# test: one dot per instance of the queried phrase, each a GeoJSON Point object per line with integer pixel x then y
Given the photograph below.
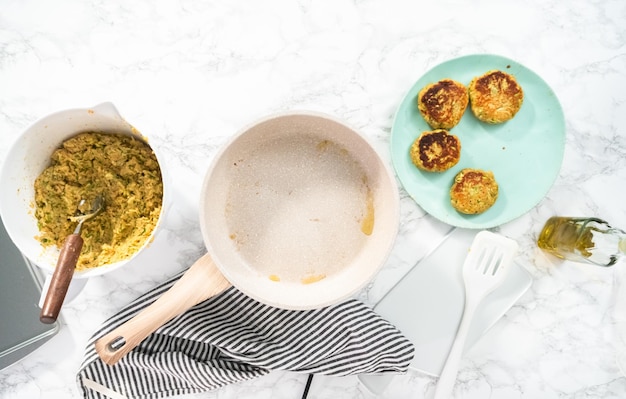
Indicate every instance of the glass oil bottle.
{"type": "Point", "coordinates": [580, 239]}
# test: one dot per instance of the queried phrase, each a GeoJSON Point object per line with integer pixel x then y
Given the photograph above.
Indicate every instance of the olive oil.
{"type": "Point", "coordinates": [588, 240]}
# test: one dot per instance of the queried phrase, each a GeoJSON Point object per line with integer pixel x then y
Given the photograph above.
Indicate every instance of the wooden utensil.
{"type": "Point", "coordinates": [66, 264]}
{"type": "Point", "coordinates": [200, 282]}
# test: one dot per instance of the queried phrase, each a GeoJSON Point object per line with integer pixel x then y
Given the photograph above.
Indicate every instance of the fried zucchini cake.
{"type": "Point", "coordinates": [443, 103]}
{"type": "Point", "coordinates": [495, 96]}
{"type": "Point", "coordinates": [436, 151]}
{"type": "Point", "coordinates": [473, 191]}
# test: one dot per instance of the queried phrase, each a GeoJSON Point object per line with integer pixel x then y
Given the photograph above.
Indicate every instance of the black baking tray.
{"type": "Point", "coordinates": [21, 332]}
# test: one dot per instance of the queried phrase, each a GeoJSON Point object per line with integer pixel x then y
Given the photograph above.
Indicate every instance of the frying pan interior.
{"type": "Point", "coordinates": [298, 211]}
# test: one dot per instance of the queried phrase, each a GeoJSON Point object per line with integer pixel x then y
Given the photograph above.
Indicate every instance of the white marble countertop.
{"type": "Point", "coordinates": [189, 74]}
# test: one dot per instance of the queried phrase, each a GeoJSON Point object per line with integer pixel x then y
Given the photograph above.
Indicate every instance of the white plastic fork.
{"type": "Point", "coordinates": [485, 267]}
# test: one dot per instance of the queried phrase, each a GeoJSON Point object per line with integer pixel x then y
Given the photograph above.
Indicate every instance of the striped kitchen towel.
{"type": "Point", "coordinates": [231, 338]}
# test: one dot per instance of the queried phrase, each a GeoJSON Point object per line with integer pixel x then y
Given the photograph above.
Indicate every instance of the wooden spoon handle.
{"type": "Point", "coordinates": [202, 281]}
{"type": "Point", "coordinates": [61, 278]}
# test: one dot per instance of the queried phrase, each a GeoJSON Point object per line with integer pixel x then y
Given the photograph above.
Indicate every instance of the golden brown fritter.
{"type": "Point", "coordinates": [473, 191]}
{"type": "Point", "coordinates": [443, 103]}
{"type": "Point", "coordinates": [436, 151]}
{"type": "Point", "coordinates": [495, 96]}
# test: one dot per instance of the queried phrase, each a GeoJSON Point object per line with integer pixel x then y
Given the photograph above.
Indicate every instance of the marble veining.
{"type": "Point", "coordinates": [189, 74]}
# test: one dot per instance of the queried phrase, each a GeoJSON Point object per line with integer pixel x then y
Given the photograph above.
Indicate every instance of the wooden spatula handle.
{"type": "Point", "coordinates": [61, 278]}
{"type": "Point", "coordinates": [202, 281]}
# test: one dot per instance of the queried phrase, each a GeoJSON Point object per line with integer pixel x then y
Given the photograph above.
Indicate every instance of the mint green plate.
{"type": "Point", "coordinates": [524, 153]}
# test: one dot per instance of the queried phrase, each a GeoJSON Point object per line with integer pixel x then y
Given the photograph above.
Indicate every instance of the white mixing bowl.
{"type": "Point", "coordinates": [30, 155]}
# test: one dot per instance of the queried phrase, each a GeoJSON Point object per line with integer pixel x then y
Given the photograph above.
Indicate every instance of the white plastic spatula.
{"type": "Point", "coordinates": [485, 267]}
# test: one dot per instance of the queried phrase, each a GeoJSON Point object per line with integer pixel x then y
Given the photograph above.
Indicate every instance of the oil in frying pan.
{"type": "Point", "coordinates": [300, 208]}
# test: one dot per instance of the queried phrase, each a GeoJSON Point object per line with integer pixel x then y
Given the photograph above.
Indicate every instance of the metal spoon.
{"type": "Point", "coordinates": [66, 263]}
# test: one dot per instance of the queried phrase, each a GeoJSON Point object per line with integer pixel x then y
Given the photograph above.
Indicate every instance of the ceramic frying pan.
{"type": "Point", "coordinates": [297, 211]}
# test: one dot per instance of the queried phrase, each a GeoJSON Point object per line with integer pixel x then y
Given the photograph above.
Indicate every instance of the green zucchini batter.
{"type": "Point", "coordinates": [121, 168]}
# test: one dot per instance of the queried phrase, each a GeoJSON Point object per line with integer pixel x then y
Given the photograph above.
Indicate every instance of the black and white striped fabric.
{"type": "Point", "coordinates": [231, 338]}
